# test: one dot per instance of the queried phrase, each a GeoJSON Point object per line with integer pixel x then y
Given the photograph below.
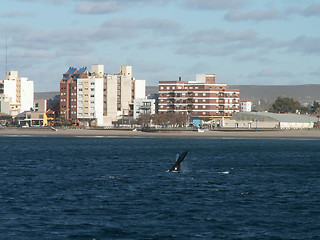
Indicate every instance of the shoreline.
{"type": "Point", "coordinates": [216, 134]}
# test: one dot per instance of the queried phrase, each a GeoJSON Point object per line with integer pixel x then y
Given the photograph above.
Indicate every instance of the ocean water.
{"type": "Point", "coordinates": [112, 188]}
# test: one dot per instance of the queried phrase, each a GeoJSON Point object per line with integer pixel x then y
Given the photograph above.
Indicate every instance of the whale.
{"type": "Point", "coordinates": [176, 166]}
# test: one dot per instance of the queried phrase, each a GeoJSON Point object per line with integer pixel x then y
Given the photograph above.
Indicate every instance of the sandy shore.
{"type": "Point", "coordinates": [304, 134]}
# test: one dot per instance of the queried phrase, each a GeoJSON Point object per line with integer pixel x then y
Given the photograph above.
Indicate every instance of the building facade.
{"type": "Point", "coordinates": [19, 92]}
{"type": "Point", "coordinates": [245, 105]}
{"type": "Point", "coordinates": [203, 99]}
{"type": "Point", "coordinates": [143, 106]}
{"type": "Point", "coordinates": [97, 97]}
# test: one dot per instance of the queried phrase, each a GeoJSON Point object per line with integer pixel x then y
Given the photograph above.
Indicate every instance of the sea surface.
{"type": "Point", "coordinates": [113, 188]}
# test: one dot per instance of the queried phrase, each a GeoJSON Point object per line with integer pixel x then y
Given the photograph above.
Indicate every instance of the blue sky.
{"type": "Point", "coordinates": [256, 42]}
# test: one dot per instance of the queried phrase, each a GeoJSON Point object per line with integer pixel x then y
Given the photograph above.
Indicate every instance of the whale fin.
{"type": "Point", "coordinates": [176, 166]}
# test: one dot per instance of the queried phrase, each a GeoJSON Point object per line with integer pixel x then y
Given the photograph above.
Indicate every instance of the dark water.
{"type": "Point", "coordinates": [100, 188]}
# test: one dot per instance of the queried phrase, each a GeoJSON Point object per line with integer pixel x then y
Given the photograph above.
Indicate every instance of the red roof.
{"type": "Point", "coordinates": [245, 100]}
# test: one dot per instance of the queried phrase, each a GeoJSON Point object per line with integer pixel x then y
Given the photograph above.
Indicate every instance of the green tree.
{"type": "Point", "coordinates": [315, 108]}
{"type": "Point", "coordinates": [285, 105]}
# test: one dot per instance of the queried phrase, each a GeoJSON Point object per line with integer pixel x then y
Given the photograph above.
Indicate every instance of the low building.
{"type": "Point", "coordinates": [143, 106]}
{"type": "Point", "coordinates": [245, 105]}
{"type": "Point", "coordinates": [266, 120]}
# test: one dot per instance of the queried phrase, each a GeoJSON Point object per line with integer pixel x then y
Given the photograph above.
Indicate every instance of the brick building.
{"type": "Point", "coordinates": [204, 98]}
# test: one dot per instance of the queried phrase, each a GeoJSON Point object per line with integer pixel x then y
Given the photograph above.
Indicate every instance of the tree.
{"type": "Point", "coordinates": [285, 105]}
{"type": "Point", "coordinates": [315, 108]}
{"type": "Point", "coordinates": [144, 119]}
{"type": "Point", "coordinates": [167, 119]}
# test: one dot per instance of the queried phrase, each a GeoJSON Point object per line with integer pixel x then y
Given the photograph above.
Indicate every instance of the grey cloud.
{"type": "Point", "coordinates": [16, 14]}
{"type": "Point", "coordinates": [214, 4]}
{"type": "Point", "coordinates": [128, 27]}
{"type": "Point", "coordinates": [222, 42]}
{"type": "Point", "coordinates": [98, 7]}
{"type": "Point", "coordinates": [219, 35]}
{"type": "Point", "coordinates": [269, 73]}
{"type": "Point", "coordinates": [305, 45]}
{"type": "Point", "coordinates": [256, 15]}
{"type": "Point", "coordinates": [312, 10]}
{"type": "Point", "coordinates": [112, 6]}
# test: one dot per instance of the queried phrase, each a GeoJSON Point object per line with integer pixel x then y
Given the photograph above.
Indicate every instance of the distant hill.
{"type": "Point", "coordinates": [46, 95]}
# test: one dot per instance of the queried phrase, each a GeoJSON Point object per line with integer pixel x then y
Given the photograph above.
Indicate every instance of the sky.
{"type": "Point", "coordinates": [243, 42]}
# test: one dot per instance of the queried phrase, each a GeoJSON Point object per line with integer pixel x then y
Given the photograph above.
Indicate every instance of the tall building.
{"type": "Point", "coordinates": [97, 97]}
{"type": "Point", "coordinates": [19, 92]}
{"type": "Point", "coordinates": [202, 99]}
{"type": "Point", "coordinates": [89, 105]}
{"type": "Point", "coordinates": [68, 92]}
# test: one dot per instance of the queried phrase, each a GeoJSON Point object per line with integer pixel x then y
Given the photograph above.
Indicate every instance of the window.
{"type": "Point", "coordinates": [161, 87]}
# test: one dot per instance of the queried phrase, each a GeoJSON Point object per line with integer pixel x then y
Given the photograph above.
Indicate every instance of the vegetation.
{"type": "Point", "coordinates": [315, 108]}
{"type": "Point", "coordinates": [165, 119]}
{"type": "Point", "coordinates": [285, 105]}
{"type": "Point", "coordinates": [288, 105]}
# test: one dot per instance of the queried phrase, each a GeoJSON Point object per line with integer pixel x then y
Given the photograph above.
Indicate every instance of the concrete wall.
{"type": "Point", "coordinates": [227, 123]}
{"type": "Point", "coordinates": [296, 125]}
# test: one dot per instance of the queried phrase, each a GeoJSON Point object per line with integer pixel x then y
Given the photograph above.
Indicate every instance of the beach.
{"type": "Point", "coordinates": [302, 134]}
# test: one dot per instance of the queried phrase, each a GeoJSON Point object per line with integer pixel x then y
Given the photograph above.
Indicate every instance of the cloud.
{"type": "Point", "coordinates": [218, 42]}
{"type": "Point", "coordinates": [123, 28]}
{"type": "Point", "coordinates": [98, 7]}
{"type": "Point", "coordinates": [305, 45]}
{"type": "Point", "coordinates": [214, 4]}
{"type": "Point", "coordinates": [112, 6]}
{"type": "Point", "coordinates": [269, 73]}
{"type": "Point", "coordinates": [16, 14]}
{"type": "Point", "coordinates": [256, 15]}
{"type": "Point", "coordinates": [312, 10]}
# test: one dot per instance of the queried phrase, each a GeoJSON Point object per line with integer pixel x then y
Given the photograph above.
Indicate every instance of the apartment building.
{"type": "Point", "coordinates": [89, 103]}
{"type": "Point", "coordinates": [98, 97]}
{"type": "Point", "coordinates": [68, 92]}
{"type": "Point", "coordinates": [143, 106]}
{"type": "Point", "coordinates": [18, 91]}
{"type": "Point", "coordinates": [203, 99]}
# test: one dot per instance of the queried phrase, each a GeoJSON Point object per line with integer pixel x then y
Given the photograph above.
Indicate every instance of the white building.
{"type": "Point", "coordinates": [90, 100]}
{"type": "Point", "coordinates": [143, 106]}
{"type": "Point", "coordinates": [266, 120]}
{"type": "Point", "coordinates": [245, 105]}
{"type": "Point", "coordinates": [19, 91]}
